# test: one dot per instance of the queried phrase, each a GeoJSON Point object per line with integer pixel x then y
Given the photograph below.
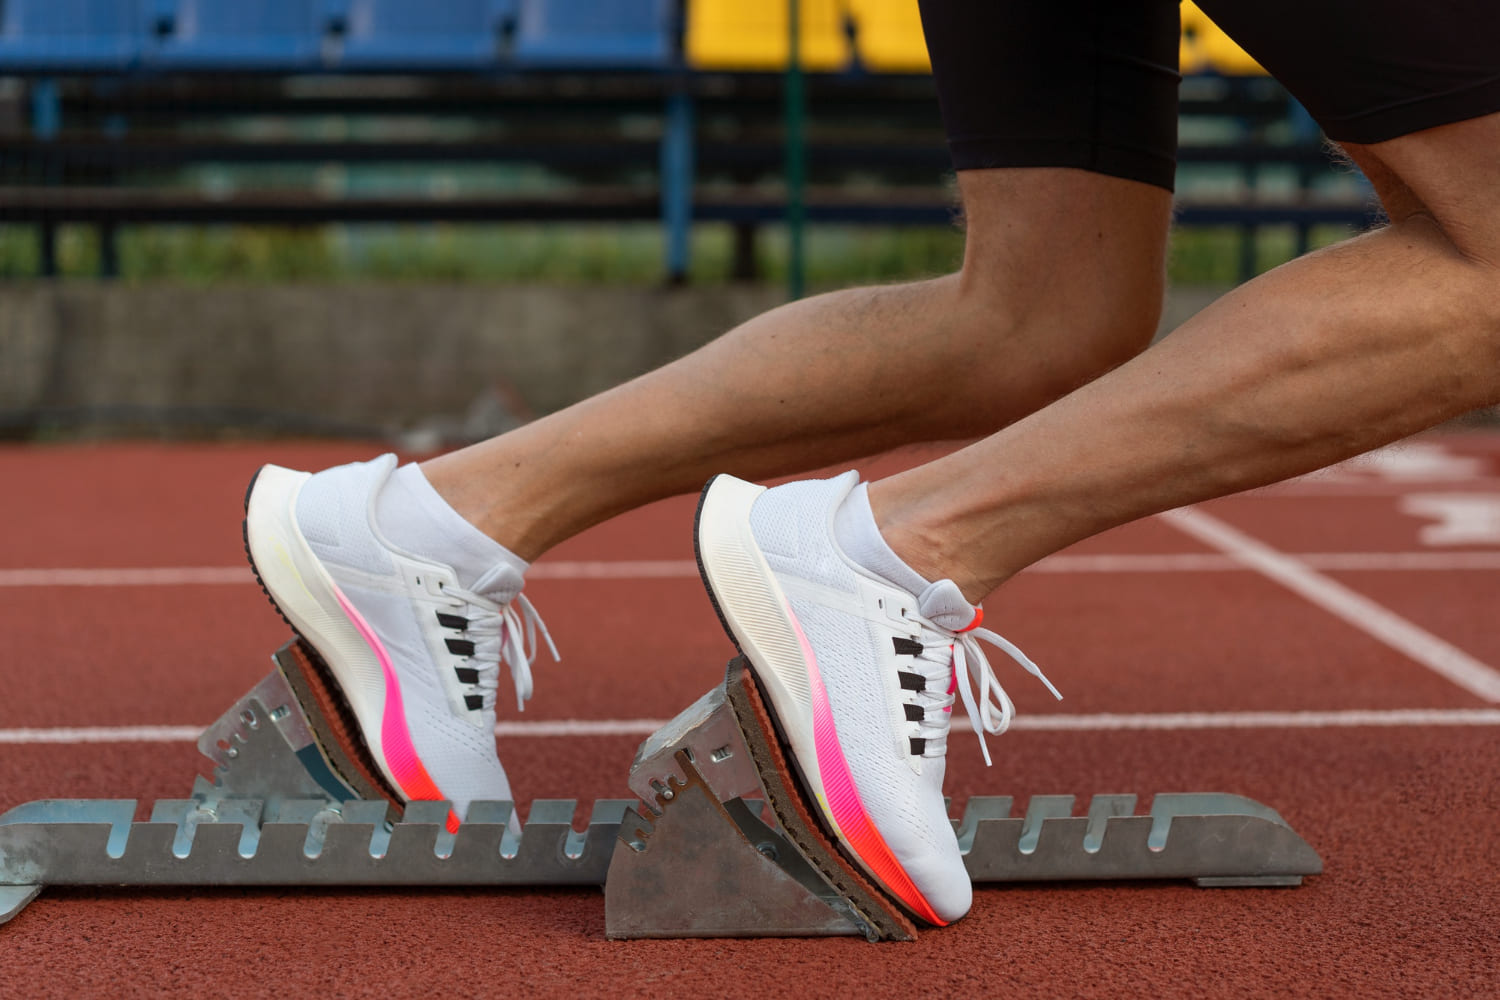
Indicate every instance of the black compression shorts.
{"type": "Point", "coordinates": [1093, 83]}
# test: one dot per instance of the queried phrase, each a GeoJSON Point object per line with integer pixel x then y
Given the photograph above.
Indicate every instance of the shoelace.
{"type": "Point", "coordinates": [500, 633]}
{"type": "Point", "coordinates": [991, 712]}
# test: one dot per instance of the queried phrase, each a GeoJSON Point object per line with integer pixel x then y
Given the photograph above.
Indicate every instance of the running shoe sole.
{"type": "Point", "coordinates": [333, 726]}
{"type": "Point", "coordinates": [759, 620]}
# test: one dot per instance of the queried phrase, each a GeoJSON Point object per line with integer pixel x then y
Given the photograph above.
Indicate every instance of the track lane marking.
{"type": "Point", "coordinates": [1105, 722]}
{"type": "Point", "coordinates": [1369, 617]}
{"type": "Point", "coordinates": [672, 569]}
{"type": "Point", "coordinates": [627, 569]}
{"type": "Point", "coordinates": [155, 576]}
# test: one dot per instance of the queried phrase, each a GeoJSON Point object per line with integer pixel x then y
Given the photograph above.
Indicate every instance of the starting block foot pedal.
{"type": "Point", "coordinates": [706, 859]}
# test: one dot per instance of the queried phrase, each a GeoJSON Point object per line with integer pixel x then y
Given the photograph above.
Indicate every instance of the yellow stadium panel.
{"type": "Point", "coordinates": [888, 34]}
{"type": "Point", "coordinates": [1190, 57]}
{"type": "Point", "coordinates": [752, 35]}
{"type": "Point", "coordinates": [1206, 47]}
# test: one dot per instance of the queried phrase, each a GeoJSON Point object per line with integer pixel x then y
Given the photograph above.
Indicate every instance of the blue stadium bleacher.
{"type": "Point", "coordinates": [71, 36]}
{"type": "Point", "coordinates": [267, 36]}
{"type": "Point", "coordinates": [422, 36]}
{"type": "Point", "coordinates": [595, 34]}
{"type": "Point", "coordinates": [291, 36]}
{"type": "Point", "coordinates": [645, 56]}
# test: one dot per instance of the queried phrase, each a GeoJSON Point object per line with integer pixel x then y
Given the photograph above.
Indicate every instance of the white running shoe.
{"type": "Point", "coordinates": [860, 674]}
{"type": "Point", "coordinates": [416, 656]}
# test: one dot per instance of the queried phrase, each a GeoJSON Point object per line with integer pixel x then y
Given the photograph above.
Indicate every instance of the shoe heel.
{"type": "Point", "coordinates": [308, 600]}
{"type": "Point", "coordinates": [751, 605]}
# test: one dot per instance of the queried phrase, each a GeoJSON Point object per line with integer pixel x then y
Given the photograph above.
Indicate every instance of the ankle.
{"type": "Point", "coordinates": [498, 506]}
{"type": "Point", "coordinates": [923, 545]}
{"type": "Point", "coordinates": [412, 515]}
{"type": "Point", "coordinates": [859, 537]}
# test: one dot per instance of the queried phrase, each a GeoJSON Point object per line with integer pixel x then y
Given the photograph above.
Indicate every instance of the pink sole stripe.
{"type": "Point", "coordinates": [842, 797]}
{"type": "Point", "coordinates": [395, 739]}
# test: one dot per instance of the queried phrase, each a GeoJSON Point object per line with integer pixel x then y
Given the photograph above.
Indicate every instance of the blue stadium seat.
{"type": "Point", "coordinates": [244, 35]}
{"type": "Point", "coordinates": [595, 34]}
{"type": "Point", "coordinates": [424, 34]}
{"type": "Point", "coordinates": [70, 36]}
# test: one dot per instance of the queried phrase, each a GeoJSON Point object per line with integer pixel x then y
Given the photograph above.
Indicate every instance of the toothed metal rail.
{"type": "Point", "coordinates": [702, 854]}
{"type": "Point", "coordinates": [276, 813]}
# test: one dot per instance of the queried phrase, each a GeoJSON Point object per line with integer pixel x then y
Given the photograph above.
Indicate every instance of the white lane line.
{"type": "Point", "coordinates": [1107, 722]}
{"type": "Point", "coordinates": [1400, 560]}
{"type": "Point", "coordinates": [171, 576]}
{"type": "Point", "coordinates": [1124, 562]}
{"type": "Point", "coordinates": [1342, 718]}
{"type": "Point", "coordinates": [104, 734]}
{"type": "Point", "coordinates": [160, 576]}
{"type": "Point", "coordinates": [634, 569]}
{"type": "Point", "coordinates": [666, 569]}
{"type": "Point", "coordinates": [1375, 620]}
{"type": "Point", "coordinates": [580, 727]}
{"type": "Point", "coordinates": [1175, 562]}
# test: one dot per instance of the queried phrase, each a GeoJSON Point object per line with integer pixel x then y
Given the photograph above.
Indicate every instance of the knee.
{"type": "Point", "coordinates": [1076, 324]}
{"type": "Point", "coordinates": [1447, 174]}
{"type": "Point", "coordinates": [1011, 356]}
{"type": "Point", "coordinates": [1079, 253]}
{"type": "Point", "coordinates": [1464, 255]}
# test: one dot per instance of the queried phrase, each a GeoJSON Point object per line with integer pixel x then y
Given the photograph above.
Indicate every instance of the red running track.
{"type": "Point", "coordinates": [1147, 626]}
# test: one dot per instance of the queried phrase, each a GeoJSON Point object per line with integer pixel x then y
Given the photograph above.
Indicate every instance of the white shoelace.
{"type": "Point", "coordinates": [500, 633]}
{"type": "Point", "coordinates": [991, 712]}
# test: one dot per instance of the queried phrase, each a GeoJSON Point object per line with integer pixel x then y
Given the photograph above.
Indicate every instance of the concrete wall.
{"type": "Point", "coordinates": [423, 361]}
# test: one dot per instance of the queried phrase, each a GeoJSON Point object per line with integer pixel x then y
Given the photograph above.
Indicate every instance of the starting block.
{"type": "Point", "coordinates": [718, 840]}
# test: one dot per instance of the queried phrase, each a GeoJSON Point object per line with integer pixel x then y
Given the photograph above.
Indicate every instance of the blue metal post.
{"type": "Point", "coordinates": [677, 181]}
{"type": "Point", "coordinates": [46, 109]}
{"type": "Point", "coordinates": [46, 122]}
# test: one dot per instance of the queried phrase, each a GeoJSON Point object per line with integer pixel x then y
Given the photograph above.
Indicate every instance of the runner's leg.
{"type": "Point", "coordinates": [1330, 355]}
{"type": "Point", "coordinates": [1061, 280]}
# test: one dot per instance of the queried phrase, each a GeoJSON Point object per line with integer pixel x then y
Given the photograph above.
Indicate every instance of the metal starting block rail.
{"type": "Point", "coordinates": [720, 844]}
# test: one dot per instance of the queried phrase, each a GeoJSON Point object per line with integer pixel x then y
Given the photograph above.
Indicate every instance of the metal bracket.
{"type": "Point", "coordinates": [262, 748]}
{"type": "Point", "coordinates": [747, 879]}
{"type": "Point", "coordinates": [710, 850]}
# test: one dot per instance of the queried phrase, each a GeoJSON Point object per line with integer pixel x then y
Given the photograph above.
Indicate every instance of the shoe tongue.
{"type": "Point", "coordinates": [500, 583]}
{"type": "Point", "coordinates": [943, 604]}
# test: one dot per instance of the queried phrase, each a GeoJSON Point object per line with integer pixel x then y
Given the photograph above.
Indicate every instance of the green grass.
{"type": "Point", "coordinates": [561, 254]}
{"type": "Point", "coordinates": [1211, 256]}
